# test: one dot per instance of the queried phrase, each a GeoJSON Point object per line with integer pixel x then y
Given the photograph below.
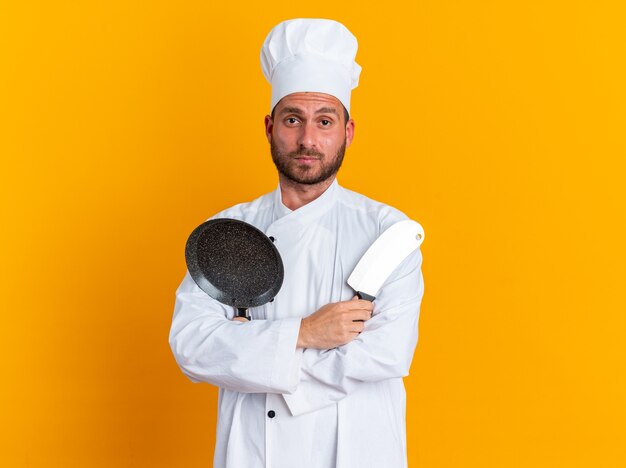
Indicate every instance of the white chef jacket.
{"type": "Point", "coordinates": [282, 407]}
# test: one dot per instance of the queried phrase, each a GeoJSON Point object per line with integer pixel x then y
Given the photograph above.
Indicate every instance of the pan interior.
{"type": "Point", "coordinates": [240, 262]}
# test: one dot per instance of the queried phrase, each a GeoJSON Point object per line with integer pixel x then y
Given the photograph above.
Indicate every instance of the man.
{"type": "Point", "coordinates": [314, 380]}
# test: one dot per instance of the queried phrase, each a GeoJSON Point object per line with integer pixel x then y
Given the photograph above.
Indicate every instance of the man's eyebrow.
{"type": "Point", "coordinates": [291, 110]}
{"type": "Point", "coordinates": [327, 110]}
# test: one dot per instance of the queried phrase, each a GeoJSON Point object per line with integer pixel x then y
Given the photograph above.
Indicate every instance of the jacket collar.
{"type": "Point", "coordinates": [308, 212]}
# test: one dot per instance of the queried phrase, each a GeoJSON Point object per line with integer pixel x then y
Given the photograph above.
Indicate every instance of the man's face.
{"type": "Point", "coordinates": [308, 136]}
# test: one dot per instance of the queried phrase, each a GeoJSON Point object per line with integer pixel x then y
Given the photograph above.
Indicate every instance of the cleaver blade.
{"type": "Point", "coordinates": [384, 256]}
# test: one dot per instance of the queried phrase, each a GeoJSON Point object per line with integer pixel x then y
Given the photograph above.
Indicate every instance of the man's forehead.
{"type": "Point", "coordinates": [312, 101]}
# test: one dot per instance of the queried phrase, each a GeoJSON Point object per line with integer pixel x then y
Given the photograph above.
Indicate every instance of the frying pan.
{"type": "Point", "coordinates": [235, 263]}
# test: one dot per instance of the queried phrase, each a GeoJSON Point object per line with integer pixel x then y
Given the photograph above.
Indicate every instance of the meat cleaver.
{"type": "Point", "coordinates": [384, 256]}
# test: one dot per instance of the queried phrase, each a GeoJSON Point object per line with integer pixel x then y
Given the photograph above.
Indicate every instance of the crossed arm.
{"type": "Point", "coordinates": [314, 361]}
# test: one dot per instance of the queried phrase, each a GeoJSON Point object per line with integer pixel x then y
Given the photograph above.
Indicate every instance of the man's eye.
{"type": "Point", "coordinates": [292, 120]}
{"type": "Point", "coordinates": [325, 122]}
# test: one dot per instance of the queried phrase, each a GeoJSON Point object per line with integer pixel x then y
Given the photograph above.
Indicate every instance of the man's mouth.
{"type": "Point", "coordinates": [303, 155]}
{"type": "Point", "coordinates": [306, 159]}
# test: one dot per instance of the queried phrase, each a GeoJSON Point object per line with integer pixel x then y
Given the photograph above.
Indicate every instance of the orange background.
{"type": "Point", "coordinates": [498, 125]}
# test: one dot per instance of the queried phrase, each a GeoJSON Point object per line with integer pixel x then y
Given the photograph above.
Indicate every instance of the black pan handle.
{"type": "Point", "coordinates": [243, 312]}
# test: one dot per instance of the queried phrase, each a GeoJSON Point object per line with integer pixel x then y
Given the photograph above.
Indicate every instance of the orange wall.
{"type": "Point", "coordinates": [498, 125]}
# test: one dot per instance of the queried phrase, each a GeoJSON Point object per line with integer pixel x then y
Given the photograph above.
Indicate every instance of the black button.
{"type": "Point", "coordinates": [272, 238]}
{"type": "Point", "coordinates": [271, 413]}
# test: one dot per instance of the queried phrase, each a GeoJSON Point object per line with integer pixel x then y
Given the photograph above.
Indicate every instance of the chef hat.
{"type": "Point", "coordinates": [315, 55]}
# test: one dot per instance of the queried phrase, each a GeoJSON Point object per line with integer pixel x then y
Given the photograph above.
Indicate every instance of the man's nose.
{"type": "Point", "coordinates": [307, 136]}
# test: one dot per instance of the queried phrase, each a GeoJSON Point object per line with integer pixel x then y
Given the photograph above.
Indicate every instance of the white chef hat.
{"type": "Point", "coordinates": [314, 55]}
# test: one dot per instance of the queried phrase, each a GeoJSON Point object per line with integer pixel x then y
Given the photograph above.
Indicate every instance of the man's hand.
{"type": "Point", "coordinates": [334, 324]}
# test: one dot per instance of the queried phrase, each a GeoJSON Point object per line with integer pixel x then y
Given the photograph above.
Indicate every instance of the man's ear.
{"type": "Point", "coordinates": [269, 126]}
{"type": "Point", "coordinates": [349, 132]}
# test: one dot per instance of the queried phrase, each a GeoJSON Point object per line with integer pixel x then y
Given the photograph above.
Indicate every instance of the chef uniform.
{"type": "Point", "coordinates": [282, 407]}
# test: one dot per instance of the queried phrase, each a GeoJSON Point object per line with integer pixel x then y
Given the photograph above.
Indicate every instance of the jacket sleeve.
{"type": "Point", "coordinates": [384, 350]}
{"type": "Point", "coordinates": [209, 347]}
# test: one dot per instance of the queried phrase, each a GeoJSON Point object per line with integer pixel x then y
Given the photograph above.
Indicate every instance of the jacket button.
{"type": "Point", "coordinates": [271, 413]}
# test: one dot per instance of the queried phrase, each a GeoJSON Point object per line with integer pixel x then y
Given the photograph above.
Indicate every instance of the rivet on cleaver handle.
{"type": "Point", "coordinates": [384, 256]}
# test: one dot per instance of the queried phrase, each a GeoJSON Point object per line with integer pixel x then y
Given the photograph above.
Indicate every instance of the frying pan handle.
{"type": "Point", "coordinates": [243, 312]}
{"type": "Point", "coordinates": [365, 296]}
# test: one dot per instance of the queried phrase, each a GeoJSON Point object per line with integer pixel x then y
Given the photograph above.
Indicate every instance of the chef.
{"type": "Point", "coordinates": [314, 380]}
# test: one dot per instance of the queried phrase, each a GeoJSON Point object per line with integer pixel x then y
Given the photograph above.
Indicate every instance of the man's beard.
{"type": "Point", "coordinates": [286, 165]}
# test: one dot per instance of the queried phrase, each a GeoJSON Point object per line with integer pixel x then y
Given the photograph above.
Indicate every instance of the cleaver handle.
{"type": "Point", "coordinates": [365, 296]}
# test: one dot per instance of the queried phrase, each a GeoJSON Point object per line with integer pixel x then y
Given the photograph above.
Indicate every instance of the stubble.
{"type": "Point", "coordinates": [288, 165]}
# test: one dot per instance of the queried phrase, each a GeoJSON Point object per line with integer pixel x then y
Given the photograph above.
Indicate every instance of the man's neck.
{"type": "Point", "coordinates": [295, 195]}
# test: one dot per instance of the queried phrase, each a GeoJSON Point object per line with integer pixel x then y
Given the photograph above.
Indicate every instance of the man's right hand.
{"type": "Point", "coordinates": [334, 324]}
